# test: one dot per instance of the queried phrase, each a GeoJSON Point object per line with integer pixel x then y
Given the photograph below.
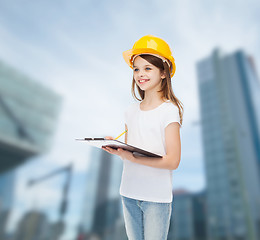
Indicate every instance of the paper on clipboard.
{"type": "Point", "coordinates": [115, 144]}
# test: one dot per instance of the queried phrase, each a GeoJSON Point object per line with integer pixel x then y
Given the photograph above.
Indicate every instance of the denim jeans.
{"type": "Point", "coordinates": [146, 220]}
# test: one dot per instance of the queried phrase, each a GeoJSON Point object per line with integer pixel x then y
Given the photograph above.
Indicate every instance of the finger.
{"type": "Point", "coordinates": [105, 149]}
{"type": "Point", "coordinates": [109, 138]}
{"type": "Point", "coordinates": [113, 151]}
{"type": "Point", "coordinates": [108, 149]}
{"type": "Point", "coordinates": [121, 150]}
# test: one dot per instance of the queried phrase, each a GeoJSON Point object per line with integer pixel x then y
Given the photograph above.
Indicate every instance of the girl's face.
{"type": "Point", "coordinates": [146, 75]}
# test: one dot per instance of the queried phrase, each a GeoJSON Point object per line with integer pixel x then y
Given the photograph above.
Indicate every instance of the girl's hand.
{"type": "Point", "coordinates": [109, 137]}
{"type": "Point", "coordinates": [123, 154]}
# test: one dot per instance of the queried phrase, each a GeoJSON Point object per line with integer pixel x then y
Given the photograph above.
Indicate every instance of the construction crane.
{"type": "Point", "coordinates": [59, 227]}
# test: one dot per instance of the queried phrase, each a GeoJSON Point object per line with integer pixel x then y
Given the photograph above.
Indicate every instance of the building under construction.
{"type": "Point", "coordinates": [28, 119]}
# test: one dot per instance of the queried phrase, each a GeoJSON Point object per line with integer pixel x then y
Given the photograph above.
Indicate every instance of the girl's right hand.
{"type": "Point", "coordinates": [109, 137]}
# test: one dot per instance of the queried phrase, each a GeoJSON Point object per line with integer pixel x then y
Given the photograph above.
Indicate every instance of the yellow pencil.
{"type": "Point", "coordinates": [120, 135]}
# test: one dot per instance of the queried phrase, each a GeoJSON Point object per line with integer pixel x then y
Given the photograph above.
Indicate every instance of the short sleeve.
{"type": "Point", "coordinates": [171, 115]}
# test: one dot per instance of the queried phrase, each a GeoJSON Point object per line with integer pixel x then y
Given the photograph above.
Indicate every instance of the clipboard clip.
{"type": "Point", "coordinates": [89, 139]}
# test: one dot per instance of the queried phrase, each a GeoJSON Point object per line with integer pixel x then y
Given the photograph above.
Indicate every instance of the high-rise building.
{"type": "Point", "coordinates": [28, 117]}
{"type": "Point", "coordinates": [7, 182]}
{"type": "Point", "coordinates": [199, 206]}
{"type": "Point", "coordinates": [102, 207]}
{"type": "Point", "coordinates": [181, 225]}
{"type": "Point", "coordinates": [33, 225]}
{"type": "Point", "coordinates": [229, 105]}
{"type": "Point", "coordinates": [188, 220]}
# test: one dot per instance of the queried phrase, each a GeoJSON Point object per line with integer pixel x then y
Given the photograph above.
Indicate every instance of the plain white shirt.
{"type": "Point", "coordinates": [146, 130]}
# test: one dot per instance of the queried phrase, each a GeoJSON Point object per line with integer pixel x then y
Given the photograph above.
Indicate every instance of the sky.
{"type": "Point", "coordinates": [75, 48]}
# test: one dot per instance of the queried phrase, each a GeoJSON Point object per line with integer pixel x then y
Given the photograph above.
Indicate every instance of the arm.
{"type": "Point", "coordinates": [126, 134]}
{"type": "Point", "coordinates": [173, 151]}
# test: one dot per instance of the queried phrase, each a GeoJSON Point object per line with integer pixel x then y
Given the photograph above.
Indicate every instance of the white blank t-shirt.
{"type": "Point", "coordinates": [146, 130]}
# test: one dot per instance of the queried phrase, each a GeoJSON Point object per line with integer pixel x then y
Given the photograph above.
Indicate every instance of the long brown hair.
{"type": "Point", "coordinates": [166, 86]}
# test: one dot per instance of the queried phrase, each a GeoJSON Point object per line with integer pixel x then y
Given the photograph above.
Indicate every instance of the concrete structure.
{"type": "Point", "coordinates": [188, 220]}
{"type": "Point", "coordinates": [102, 204]}
{"type": "Point", "coordinates": [229, 104]}
{"type": "Point", "coordinates": [28, 117]}
{"type": "Point", "coordinates": [33, 225]}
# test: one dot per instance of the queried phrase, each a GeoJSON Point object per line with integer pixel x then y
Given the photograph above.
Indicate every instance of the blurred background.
{"type": "Point", "coordinates": [62, 77]}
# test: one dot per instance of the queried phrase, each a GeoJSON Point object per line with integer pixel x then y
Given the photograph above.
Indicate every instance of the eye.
{"type": "Point", "coordinates": [148, 68]}
{"type": "Point", "coordinates": [136, 69]}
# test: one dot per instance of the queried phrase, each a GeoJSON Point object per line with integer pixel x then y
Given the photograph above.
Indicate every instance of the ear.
{"type": "Point", "coordinates": [163, 75]}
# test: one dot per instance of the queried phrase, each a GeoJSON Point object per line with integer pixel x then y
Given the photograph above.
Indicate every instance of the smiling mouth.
{"type": "Point", "coordinates": [143, 80]}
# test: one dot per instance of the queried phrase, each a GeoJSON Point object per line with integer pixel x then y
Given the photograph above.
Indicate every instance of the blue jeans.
{"type": "Point", "coordinates": [146, 220]}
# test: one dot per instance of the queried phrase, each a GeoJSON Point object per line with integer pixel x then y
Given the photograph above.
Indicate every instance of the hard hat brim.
{"type": "Point", "coordinates": [128, 56]}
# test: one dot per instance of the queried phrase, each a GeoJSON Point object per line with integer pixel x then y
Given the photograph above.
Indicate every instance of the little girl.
{"type": "Point", "coordinates": [152, 124]}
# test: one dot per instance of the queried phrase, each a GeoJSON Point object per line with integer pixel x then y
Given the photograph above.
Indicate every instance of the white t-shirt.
{"type": "Point", "coordinates": [146, 130]}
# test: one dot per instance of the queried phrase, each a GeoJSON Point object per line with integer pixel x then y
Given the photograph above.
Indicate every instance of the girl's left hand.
{"type": "Point", "coordinates": [120, 152]}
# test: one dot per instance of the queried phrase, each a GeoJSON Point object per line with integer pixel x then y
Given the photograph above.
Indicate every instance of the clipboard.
{"type": "Point", "coordinates": [115, 144]}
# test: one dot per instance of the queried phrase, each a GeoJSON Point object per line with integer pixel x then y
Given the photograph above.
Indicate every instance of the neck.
{"type": "Point", "coordinates": [152, 97]}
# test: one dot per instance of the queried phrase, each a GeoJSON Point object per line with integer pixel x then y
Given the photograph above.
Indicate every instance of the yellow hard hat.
{"type": "Point", "coordinates": [153, 45]}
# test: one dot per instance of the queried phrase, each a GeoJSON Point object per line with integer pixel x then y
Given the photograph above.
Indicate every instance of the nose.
{"type": "Point", "coordinates": [141, 73]}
